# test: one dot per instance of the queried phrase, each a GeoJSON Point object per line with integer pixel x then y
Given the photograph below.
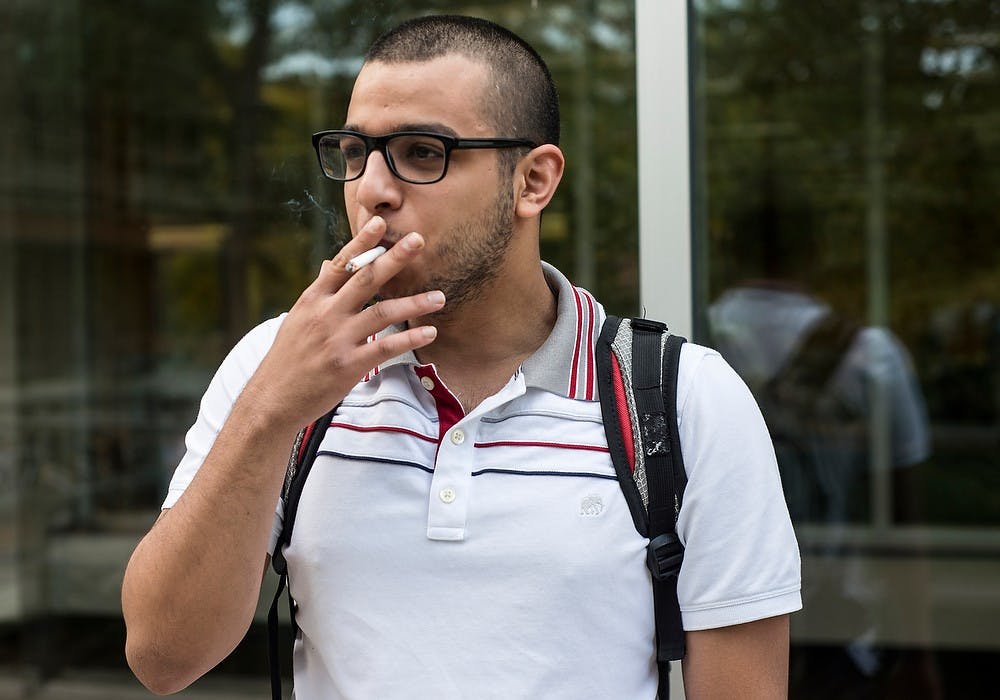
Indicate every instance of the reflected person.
{"type": "Point", "coordinates": [836, 395]}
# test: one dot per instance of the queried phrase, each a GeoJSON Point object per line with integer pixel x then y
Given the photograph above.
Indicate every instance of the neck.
{"type": "Point", "coordinates": [500, 328]}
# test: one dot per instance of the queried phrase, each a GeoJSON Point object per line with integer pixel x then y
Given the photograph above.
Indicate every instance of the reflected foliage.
{"type": "Point", "coordinates": [159, 197]}
{"type": "Point", "coordinates": [163, 172]}
{"type": "Point", "coordinates": [847, 156]}
{"type": "Point", "coordinates": [850, 150]}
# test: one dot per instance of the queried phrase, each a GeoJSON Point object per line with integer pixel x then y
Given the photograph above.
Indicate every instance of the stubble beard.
{"type": "Point", "coordinates": [469, 257]}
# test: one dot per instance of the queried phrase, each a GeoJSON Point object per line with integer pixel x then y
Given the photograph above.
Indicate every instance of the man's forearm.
{"type": "Point", "coordinates": [192, 584]}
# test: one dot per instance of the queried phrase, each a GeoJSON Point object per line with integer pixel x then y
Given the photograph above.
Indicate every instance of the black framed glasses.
{"type": "Point", "coordinates": [418, 157]}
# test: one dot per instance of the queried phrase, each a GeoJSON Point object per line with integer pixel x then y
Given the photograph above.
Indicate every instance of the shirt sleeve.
{"type": "Point", "coordinates": [741, 559]}
{"type": "Point", "coordinates": [216, 404]}
{"type": "Point", "coordinates": [878, 363]}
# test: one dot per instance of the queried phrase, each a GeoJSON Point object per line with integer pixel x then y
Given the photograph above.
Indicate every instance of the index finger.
{"type": "Point", "coordinates": [333, 273]}
{"type": "Point", "coordinates": [365, 283]}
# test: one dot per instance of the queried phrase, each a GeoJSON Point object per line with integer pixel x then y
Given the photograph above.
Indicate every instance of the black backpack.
{"type": "Point", "coordinates": [809, 423]}
{"type": "Point", "coordinates": [637, 362]}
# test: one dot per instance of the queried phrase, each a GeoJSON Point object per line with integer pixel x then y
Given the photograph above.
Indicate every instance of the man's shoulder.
{"type": "Point", "coordinates": [243, 359]}
{"type": "Point", "coordinates": [704, 372]}
{"type": "Point", "coordinates": [259, 338]}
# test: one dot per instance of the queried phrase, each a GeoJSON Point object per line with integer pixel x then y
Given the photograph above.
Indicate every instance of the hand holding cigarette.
{"type": "Point", "coordinates": [324, 346]}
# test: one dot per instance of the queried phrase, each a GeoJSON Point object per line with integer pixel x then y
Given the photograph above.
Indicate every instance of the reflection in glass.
{"type": "Point", "coordinates": [845, 158]}
{"type": "Point", "coordinates": [159, 196]}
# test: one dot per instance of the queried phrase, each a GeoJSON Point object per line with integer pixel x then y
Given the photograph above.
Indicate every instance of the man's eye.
{"type": "Point", "coordinates": [353, 151]}
{"type": "Point", "coordinates": [424, 151]}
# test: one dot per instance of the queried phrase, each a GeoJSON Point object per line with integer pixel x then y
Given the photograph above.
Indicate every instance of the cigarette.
{"type": "Point", "coordinates": [359, 261]}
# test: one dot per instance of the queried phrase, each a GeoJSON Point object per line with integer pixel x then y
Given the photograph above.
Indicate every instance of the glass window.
{"type": "Point", "coordinates": [159, 197]}
{"type": "Point", "coordinates": [846, 159]}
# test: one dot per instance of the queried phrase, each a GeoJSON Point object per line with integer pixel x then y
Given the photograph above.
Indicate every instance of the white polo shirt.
{"type": "Point", "coordinates": [492, 555]}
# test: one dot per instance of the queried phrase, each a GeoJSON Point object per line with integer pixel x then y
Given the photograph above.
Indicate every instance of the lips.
{"type": "Point", "coordinates": [390, 239]}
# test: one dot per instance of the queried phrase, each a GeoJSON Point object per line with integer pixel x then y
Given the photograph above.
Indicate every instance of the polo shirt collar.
{"type": "Point", "coordinates": [565, 363]}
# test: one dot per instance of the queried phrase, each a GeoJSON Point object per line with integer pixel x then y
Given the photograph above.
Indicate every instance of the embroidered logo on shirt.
{"type": "Point", "coordinates": [591, 506]}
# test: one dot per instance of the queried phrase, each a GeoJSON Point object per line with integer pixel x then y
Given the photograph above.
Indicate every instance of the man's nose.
{"type": "Point", "coordinates": [378, 188]}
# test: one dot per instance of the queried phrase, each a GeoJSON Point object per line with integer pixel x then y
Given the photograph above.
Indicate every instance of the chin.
{"type": "Point", "coordinates": [397, 291]}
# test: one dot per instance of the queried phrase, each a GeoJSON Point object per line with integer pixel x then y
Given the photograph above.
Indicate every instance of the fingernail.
{"type": "Point", "coordinates": [436, 298]}
{"type": "Point", "coordinates": [412, 241]}
{"type": "Point", "coordinates": [430, 332]}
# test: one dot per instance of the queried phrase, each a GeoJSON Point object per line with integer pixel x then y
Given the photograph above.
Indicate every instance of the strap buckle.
{"type": "Point", "coordinates": [645, 324]}
{"type": "Point", "coordinates": [664, 556]}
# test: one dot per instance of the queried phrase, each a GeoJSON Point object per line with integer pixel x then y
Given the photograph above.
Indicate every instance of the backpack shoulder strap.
{"type": "Point", "coordinates": [637, 364]}
{"type": "Point", "coordinates": [817, 356]}
{"type": "Point", "coordinates": [300, 462]}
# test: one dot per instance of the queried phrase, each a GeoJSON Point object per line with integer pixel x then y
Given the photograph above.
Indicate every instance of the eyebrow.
{"type": "Point", "coordinates": [433, 127]}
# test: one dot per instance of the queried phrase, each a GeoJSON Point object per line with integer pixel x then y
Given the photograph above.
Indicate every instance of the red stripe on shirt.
{"type": "Point", "coordinates": [527, 443]}
{"type": "Point", "coordinates": [382, 429]}
{"type": "Point", "coordinates": [591, 322]}
{"type": "Point", "coordinates": [576, 350]}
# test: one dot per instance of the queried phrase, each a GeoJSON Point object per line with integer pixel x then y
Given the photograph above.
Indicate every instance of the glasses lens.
{"type": "Point", "coordinates": [418, 158]}
{"type": "Point", "coordinates": [342, 156]}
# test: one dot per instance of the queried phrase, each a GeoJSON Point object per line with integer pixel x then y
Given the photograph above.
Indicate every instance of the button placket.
{"type": "Point", "coordinates": [450, 487]}
{"type": "Point", "coordinates": [455, 464]}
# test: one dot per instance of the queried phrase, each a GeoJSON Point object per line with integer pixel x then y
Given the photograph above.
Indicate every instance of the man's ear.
{"type": "Point", "coordinates": [536, 178]}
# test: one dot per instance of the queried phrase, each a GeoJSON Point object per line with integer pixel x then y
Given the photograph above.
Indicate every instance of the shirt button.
{"type": "Point", "coordinates": [447, 495]}
{"type": "Point", "coordinates": [428, 383]}
{"type": "Point", "coordinates": [457, 437]}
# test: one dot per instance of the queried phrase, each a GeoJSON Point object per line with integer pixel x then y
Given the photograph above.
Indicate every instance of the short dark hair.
{"type": "Point", "coordinates": [524, 104]}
